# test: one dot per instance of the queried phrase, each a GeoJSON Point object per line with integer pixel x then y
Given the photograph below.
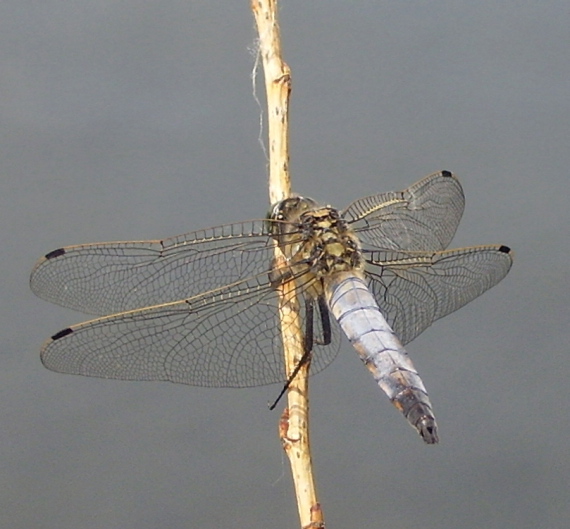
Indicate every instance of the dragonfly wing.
{"type": "Point", "coordinates": [413, 289]}
{"type": "Point", "coordinates": [106, 278]}
{"type": "Point", "coordinates": [424, 216]}
{"type": "Point", "coordinates": [230, 338]}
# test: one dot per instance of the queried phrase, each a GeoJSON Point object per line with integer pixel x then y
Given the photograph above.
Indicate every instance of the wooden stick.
{"type": "Point", "coordinates": [294, 424]}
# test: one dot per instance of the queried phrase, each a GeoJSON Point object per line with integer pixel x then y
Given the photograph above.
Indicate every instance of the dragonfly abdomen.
{"type": "Point", "coordinates": [357, 312]}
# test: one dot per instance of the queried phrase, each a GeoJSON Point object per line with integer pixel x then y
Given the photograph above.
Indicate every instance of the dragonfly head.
{"type": "Point", "coordinates": [284, 216]}
{"type": "Point", "coordinates": [291, 209]}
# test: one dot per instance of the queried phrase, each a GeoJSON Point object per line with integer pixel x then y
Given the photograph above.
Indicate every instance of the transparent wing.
{"type": "Point", "coordinates": [228, 339]}
{"type": "Point", "coordinates": [413, 289]}
{"type": "Point", "coordinates": [105, 278]}
{"type": "Point", "coordinates": [423, 217]}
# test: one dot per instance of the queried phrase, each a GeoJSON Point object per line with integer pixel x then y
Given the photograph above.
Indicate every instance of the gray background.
{"type": "Point", "coordinates": [129, 119]}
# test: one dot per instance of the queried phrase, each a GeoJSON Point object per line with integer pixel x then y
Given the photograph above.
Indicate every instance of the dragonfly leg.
{"type": "Point", "coordinates": [307, 349]}
{"type": "Point", "coordinates": [325, 322]}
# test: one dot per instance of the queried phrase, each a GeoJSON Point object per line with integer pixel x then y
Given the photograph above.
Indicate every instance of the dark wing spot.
{"type": "Point", "coordinates": [505, 249]}
{"type": "Point", "coordinates": [447, 174]}
{"type": "Point", "coordinates": [61, 334]}
{"type": "Point", "coordinates": [55, 253]}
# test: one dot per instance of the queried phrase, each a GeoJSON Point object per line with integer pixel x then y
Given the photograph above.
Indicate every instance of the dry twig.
{"type": "Point", "coordinates": [294, 424]}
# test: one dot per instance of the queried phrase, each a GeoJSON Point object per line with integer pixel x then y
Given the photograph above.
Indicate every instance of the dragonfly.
{"type": "Point", "coordinates": [203, 308]}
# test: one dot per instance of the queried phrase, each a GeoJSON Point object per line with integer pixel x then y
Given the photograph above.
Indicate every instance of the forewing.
{"type": "Point", "coordinates": [413, 289]}
{"type": "Point", "coordinates": [106, 278]}
{"type": "Point", "coordinates": [228, 339]}
{"type": "Point", "coordinates": [423, 217]}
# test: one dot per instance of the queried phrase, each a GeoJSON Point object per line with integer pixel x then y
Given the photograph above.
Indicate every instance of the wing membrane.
{"type": "Point", "coordinates": [413, 289]}
{"type": "Point", "coordinates": [226, 339]}
{"type": "Point", "coordinates": [105, 278]}
{"type": "Point", "coordinates": [423, 217]}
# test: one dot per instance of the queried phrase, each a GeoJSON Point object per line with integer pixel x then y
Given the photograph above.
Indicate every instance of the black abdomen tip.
{"type": "Point", "coordinates": [428, 430]}
{"type": "Point", "coordinates": [55, 253]}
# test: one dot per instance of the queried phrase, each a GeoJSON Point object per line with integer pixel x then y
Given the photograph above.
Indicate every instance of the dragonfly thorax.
{"type": "Point", "coordinates": [316, 239]}
{"type": "Point", "coordinates": [329, 245]}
